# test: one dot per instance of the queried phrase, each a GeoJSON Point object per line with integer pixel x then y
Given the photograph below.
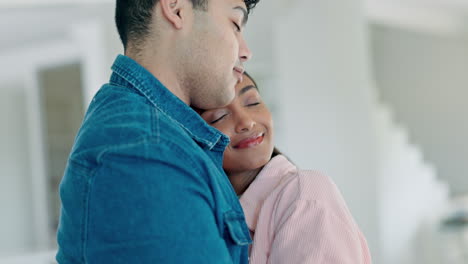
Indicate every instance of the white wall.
{"type": "Point", "coordinates": [423, 76]}
{"type": "Point", "coordinates": [81, 37]}
{"type": "Point", "coordinates": [15, 199]}
{"type": "Point", "coordinates": [327, 101]}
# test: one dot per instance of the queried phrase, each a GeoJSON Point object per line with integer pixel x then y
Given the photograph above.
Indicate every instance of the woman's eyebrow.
{"type": "Point", "coordinates": [245, 89]}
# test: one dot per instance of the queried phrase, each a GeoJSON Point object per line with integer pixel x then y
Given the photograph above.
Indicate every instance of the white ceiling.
{"type": "Point", "coordinates": [439, 16]}
{"type": "Point", "coordinates": [22, 21]}
{"type": "Point", "coordinates": [21, 26]}
{"type": "Point", "coordinates": [38, 3]}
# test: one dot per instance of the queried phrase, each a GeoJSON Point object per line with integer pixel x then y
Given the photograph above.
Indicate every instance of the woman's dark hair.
{"type": "Point", "coordinates": [276, 151]}
{"type": "Point", "coordinates": [252, 79]}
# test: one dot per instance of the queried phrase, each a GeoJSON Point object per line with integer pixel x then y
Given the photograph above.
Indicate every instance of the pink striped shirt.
{"type": "Point", "coordinates": [299, 216]}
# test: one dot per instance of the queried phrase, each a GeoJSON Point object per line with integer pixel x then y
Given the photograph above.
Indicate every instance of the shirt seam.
{"type": "Point", "coordinates": [85, 223]}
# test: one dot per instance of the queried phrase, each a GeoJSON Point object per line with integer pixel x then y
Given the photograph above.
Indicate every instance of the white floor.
{"type": "Point", "coordinates": [47, 257]}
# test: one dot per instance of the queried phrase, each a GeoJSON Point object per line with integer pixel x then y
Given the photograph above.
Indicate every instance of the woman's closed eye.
{"type": "Point", "coordinates": [252, 101]}
{"type": "Point", "coordinates": [218, 117]}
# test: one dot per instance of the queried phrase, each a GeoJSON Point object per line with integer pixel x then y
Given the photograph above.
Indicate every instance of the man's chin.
{"type": "Point", "coordinates": [218, 102]}
{"type": "Point", "coordinates": [228, 94]}
{"type": "Point", "coordinates": [227, 100]}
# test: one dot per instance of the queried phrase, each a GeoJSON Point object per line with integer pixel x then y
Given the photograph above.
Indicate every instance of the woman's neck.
{"type": "Point", "coordinates": [242, 180]}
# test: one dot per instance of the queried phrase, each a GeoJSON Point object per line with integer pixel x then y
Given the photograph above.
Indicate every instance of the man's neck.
{"type": "Point", "coordinates": [164, 70]}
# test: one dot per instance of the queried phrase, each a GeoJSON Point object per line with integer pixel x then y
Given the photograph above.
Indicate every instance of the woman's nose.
{"type": "Point", "coordinates": [245, 124]}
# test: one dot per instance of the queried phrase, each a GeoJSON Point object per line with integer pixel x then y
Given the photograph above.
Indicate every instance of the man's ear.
{"type": "Point", "coordinates": [174, 11]}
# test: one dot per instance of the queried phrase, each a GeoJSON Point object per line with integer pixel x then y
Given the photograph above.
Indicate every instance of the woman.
{"type": "Point", "coordinates": [294, 215]}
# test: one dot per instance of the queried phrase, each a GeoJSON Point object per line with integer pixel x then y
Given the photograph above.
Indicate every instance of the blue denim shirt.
{"type": "Point", "coordinates": [144, 181]}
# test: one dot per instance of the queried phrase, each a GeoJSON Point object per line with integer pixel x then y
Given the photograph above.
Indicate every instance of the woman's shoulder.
{"type": "Point", "coordinates": [315, 185]}
{"type": "Point", "coordinates": [306, 185]}
{"type": "Point", "coordinates": [309, 186]}
{"type": "Point", "coordinates": [291, 185]}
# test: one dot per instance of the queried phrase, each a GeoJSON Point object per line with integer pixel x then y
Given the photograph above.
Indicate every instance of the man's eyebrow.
{"type": "Point", "coordinates": [245, 89]}
{"type": "Point", "coordinates": [246, 14]}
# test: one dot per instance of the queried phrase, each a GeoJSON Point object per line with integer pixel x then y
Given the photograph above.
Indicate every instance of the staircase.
{"type": "Point", "coordinates": [411, 195]}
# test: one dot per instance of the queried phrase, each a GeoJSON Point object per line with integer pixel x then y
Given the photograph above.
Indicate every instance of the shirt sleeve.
{"type": "Point", "coordinates": [151, 205]}
{"type": "Point", "coordinates": [310, 232]}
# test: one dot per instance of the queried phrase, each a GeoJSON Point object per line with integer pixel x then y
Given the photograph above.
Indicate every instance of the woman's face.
{"type": "Point", "coordinates": [248, 123]}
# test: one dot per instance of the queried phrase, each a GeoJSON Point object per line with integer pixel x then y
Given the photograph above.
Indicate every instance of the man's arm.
{"type": "Point", "coordinates": [149, 203]}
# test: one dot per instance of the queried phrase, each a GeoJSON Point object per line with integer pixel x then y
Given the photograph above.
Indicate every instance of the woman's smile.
{"type": "Point", "coordinates": [251, 141]}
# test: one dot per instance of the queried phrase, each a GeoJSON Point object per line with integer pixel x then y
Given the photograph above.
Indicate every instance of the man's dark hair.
{"type": "Point", "coordinates": [133, 17]}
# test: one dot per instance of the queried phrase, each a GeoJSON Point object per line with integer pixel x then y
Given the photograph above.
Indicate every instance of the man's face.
{"type": "Point", "coordinates": [215, 53]}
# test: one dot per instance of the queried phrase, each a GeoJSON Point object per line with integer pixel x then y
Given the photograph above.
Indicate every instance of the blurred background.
{"type": "Point", "coordinates": [372, 93]}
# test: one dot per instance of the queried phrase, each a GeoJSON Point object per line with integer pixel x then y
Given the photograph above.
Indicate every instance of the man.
{"type": "Point", "coordinates": [144, 182]}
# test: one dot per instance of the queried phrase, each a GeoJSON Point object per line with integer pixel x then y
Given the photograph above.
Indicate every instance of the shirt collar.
{"type": "Point", "coordinates": [127, 72]}
{"type": "Point", "coordinates": [266, 181]}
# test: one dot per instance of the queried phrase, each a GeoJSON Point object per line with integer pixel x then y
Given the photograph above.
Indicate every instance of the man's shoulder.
{"type": "Point", "coordinates": [121, 115]}
{"type": "Point", "coordinates": [114, 104]}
